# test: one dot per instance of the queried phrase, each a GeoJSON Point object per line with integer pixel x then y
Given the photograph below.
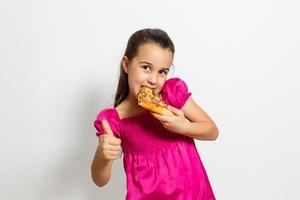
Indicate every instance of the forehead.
{"type": "Point", "coordinates": [154, 54]}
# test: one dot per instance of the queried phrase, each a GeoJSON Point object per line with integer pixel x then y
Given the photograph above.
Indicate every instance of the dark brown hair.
{"type": "Point", "coordinates": [138, 38]}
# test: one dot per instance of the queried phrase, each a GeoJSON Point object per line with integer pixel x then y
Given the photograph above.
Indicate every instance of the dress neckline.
{"type": "Point", "coordinates": [131, 117]}
{"type": "Point", "coordinates": [163, 97]}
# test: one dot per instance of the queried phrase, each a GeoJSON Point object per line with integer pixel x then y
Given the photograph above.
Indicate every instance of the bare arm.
{"type": "Point", "coordinates": [199, 125]}
{"type": "Point", "coordinates": [191, 121]}
{"type": "Point", "coordinates": [109, 149]}
{"type": "Point", "coordinates": [100, 169]}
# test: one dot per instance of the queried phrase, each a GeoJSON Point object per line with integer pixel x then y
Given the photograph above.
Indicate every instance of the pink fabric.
{"type": "Point", "coordinates": [113, 119]}
{"type": "Point", "coordinates": [159, 164]}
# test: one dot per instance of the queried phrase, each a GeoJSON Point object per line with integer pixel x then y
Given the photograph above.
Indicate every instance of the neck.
{"type": "Point", "coordinates": [132, 104]}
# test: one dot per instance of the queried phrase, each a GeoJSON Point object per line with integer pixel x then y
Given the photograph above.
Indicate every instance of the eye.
{"type": "Point", "coordinates": [165, 72]}
{"type": "Point", "coordinates": [146, 67]}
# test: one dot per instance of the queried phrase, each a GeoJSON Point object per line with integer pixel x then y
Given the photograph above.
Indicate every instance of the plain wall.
{"type": "Point", "coordinates": [59, 67]}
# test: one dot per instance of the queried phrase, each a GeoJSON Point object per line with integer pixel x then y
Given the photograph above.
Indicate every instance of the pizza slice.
{"type": "Point", "coordinates": [152, 102]}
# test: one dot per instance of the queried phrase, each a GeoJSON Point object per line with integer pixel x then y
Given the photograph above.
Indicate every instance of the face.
{"type": "Point", "coordinates": [149, 68]}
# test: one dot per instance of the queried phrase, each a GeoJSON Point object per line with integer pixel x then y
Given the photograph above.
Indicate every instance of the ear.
{"type": "Point", "coordinates": [125, 64]}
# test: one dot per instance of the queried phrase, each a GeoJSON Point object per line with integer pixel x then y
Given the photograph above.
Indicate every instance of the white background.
{"type": "Point", "coordinates": [59, 64]}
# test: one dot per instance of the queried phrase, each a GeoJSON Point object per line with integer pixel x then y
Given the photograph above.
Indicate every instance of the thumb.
{"type": "Point", "coordinates": [174, 110]}
{"type": "Point", "coordinates": [106, 127]}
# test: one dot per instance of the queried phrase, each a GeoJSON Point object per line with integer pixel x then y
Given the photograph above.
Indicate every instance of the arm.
{"type": "Point", "coordinates": [199, 125]}
{"type": "Point", "coordinates": [109, 149]}
{"type": "Point", "coordinates": [100, 169]}
{"type": "Point", "coordinates": [191, 121]}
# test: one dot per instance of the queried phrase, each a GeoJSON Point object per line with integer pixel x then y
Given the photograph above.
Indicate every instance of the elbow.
{"type": "Point", "coordinates": [99, 180]}
{"type": "Point", "coordinates": [99, 183]}
{"type": "Point", "coordinates": [211, 133]}
{"type": "Point", "coordinates": [215, 133]}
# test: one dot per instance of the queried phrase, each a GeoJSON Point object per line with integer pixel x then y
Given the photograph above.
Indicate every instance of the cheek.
{"type": "Point", "coordinates": [161, 84]}
{"type": "Point", "coordinates": [135, 80]}
{"type": "Point", "coordinates": [136, 74]}
{"type": "Point", "coordinates": [162, 81]}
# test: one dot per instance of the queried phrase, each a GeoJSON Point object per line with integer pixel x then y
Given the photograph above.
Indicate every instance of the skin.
{"type": "Point", "coordinates": [149, 68]}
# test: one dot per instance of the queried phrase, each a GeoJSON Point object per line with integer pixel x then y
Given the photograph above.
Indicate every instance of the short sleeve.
{"type": "Point", "coordinates": [175, 92]}
{"type": "Point", "coordinates": [111, 115]}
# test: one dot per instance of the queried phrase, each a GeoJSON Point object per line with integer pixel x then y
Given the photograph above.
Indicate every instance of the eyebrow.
{"type": "Point", "coordinates": [163, 68]}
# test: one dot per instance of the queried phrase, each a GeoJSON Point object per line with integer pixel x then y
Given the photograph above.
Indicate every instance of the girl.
{"type": "Point", "coordinates": [160, 157]}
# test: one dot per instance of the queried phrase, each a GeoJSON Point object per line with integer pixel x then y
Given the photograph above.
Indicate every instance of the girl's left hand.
{"type": "Point", "coordinates": [176, 123]}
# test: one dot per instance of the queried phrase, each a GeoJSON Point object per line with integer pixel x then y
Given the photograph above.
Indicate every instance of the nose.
{"type": "Point", "coordinates": [152, 79]}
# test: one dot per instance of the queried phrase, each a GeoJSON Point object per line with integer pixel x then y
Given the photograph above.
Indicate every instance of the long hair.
{"type": "Point", "coordinates": [137, 39]}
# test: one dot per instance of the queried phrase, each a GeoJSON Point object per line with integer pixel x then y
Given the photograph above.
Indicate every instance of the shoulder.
{"type": "Point", "coordinates": [175, 92]}
{"type": "Point", "coordinates": [175, 84]}
{"type": "Point", "coordinates": [174, 80]}
{"type": "Point", "coordinates": [107, 113]}
{"type": "Point", "coordinates": [111, 116]}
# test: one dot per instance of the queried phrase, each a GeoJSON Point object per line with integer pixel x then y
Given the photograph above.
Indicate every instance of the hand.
{"type": "Point", "coordinates": [176, 123]}
{"type": "Point", "coordinates": [109, 146]}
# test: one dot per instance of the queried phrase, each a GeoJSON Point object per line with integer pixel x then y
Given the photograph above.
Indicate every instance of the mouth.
{"type": "Point", "coordinates": [147, 94]}
{"type": "Point", "coordinates": [152, 88]}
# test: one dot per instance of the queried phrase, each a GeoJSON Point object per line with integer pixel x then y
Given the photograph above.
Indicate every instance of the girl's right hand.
{"type": "Point", "coordinates": [109, 145]}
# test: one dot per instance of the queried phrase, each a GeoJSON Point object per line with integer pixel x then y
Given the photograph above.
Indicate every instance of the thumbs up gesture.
{"type": "Point", "coordinates": [109, 145]}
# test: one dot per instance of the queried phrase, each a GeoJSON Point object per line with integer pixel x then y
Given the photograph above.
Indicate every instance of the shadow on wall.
{"type": "Point", "coordinates": [70, 176]}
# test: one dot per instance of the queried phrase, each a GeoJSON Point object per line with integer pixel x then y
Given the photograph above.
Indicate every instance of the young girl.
{"type": "Point", "coordinates": [160, 157]}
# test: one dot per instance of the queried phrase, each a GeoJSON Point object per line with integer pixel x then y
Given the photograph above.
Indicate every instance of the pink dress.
{"type": "Point", "coordinates": [159, 164]}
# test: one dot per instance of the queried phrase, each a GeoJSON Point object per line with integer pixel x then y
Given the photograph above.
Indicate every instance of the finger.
{"type": "Point", "coordinates": [159, 117]}
{"type": "Point", "coordinates": [106, 127]}
{"type": "Point", "coordinates": [114, 141]}
{"type": "Point", "coordinates": [114, 147]}
{"type": "Point", "coordinates": [114, 153]}
{"type": "Point", "coordinates": [174, 110]}
{"type": "Point", "coordinates": [113, 157]}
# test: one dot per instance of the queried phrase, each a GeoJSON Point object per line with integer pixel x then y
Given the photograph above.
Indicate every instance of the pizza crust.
{"type": "Point", "coordinates": [152, 102]}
